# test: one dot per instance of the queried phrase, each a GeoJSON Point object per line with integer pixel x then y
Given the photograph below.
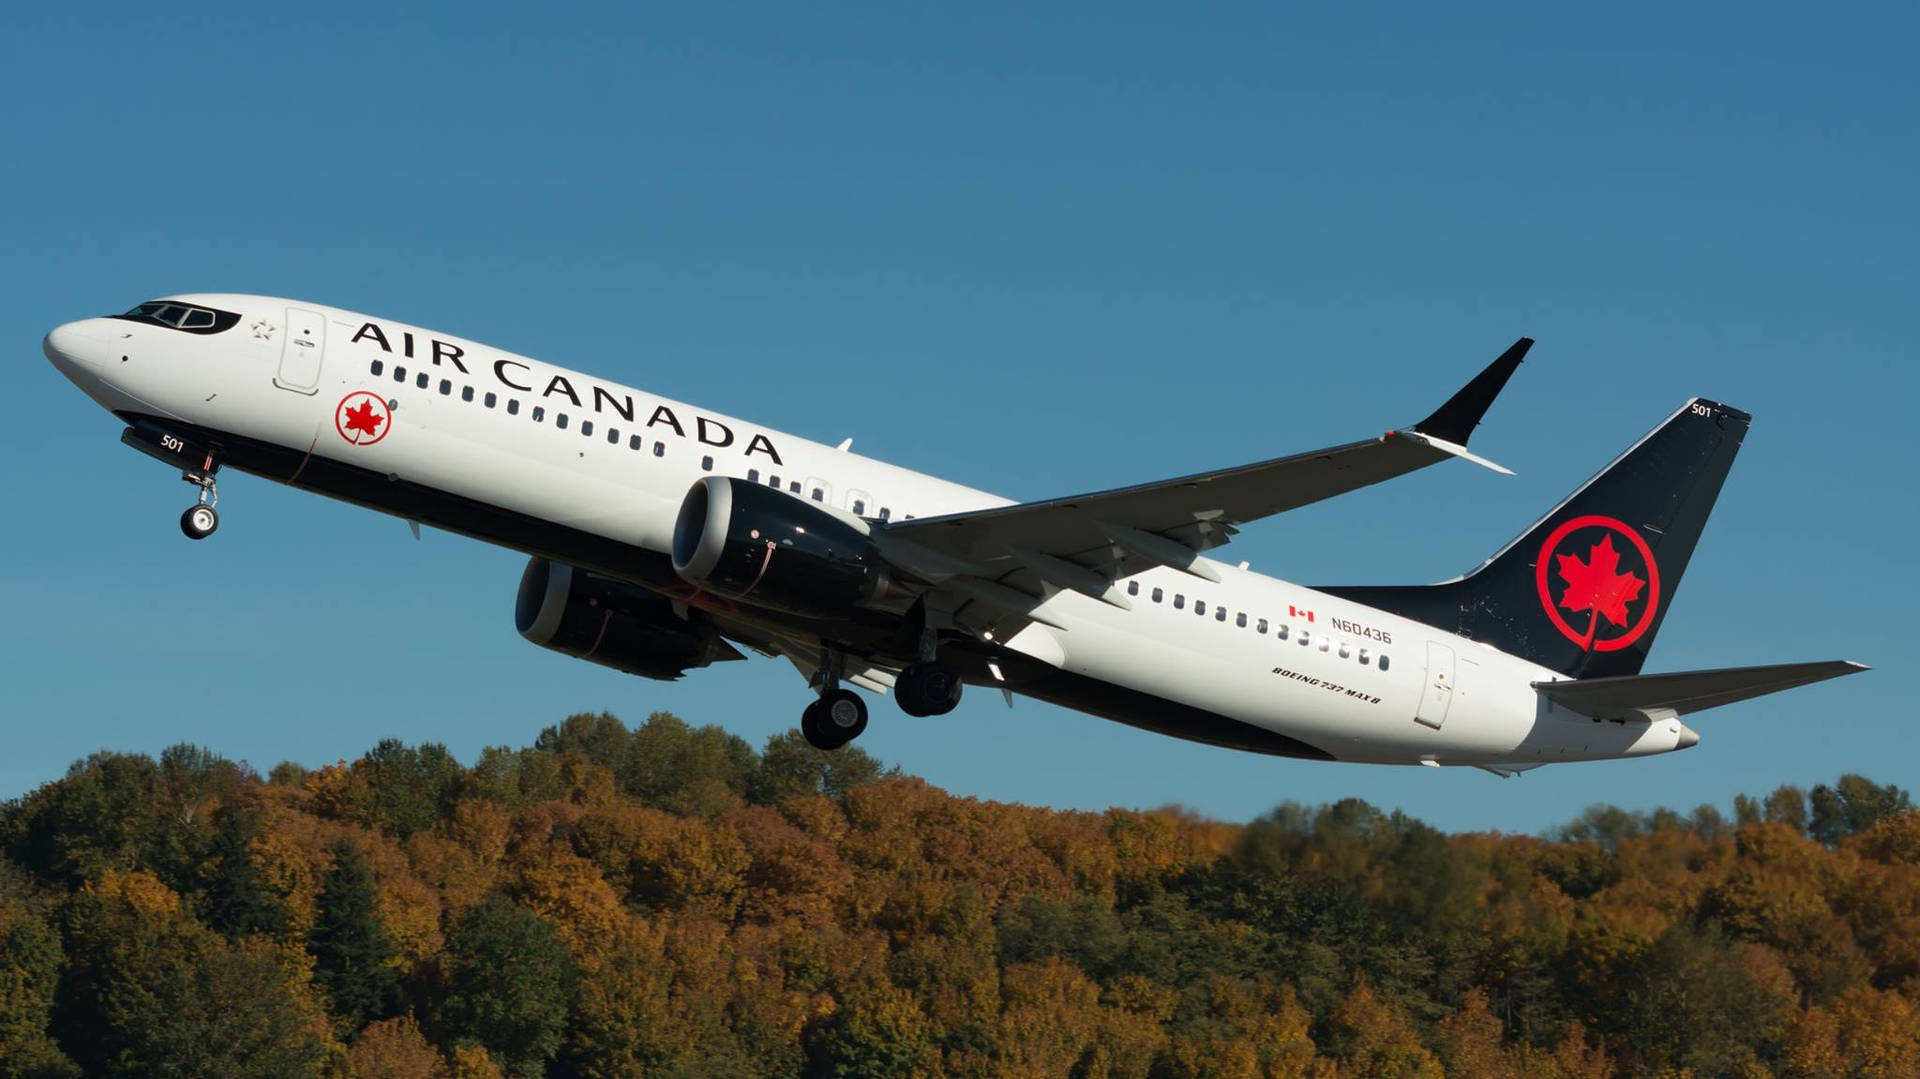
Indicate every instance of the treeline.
{"type": "Point", "coordinates": [666, 901]}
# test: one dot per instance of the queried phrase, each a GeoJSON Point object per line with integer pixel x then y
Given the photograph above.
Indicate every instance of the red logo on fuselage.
{"type": "Point", "coordinates": [1581, 562]}
{"type": "Point", "coordinates": [362, 418]}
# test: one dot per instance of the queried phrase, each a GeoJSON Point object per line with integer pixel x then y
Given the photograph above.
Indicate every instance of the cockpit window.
{"type": "Point", "coordinates": [182, 316]}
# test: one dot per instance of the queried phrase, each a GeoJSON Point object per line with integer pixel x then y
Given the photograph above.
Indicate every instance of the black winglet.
{"type": "Point", "coordinates": [1454, 421]}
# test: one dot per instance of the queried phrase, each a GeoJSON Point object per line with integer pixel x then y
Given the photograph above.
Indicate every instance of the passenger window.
{"type": "Point", "coordinates": [539, 413]}
{"type": "Point", "coordinates": [446, 387]}
{"type": "Point", "coordinates": [1179, 601]}
{"type": "Point", "coordinates": [819, 495]}
{"type": "Point", "coordinates": [706, 464]}
{"type": "Point", "coordinates": [586, 427]}
{"type": "Point", "coordinates": [1240, 620]}
{"type": "Point", "coordinates": [859, 508]}
{"type": "Point", "coordinates": [753, 476]}
{"type": "Point", "coordinates": [399, 374]}
{"type": "Point", "coordinates": [613, 436]}
{"type": "Point", "coordinates": [1323, 644]}
{"type": "Point", "coordinates": [560, 420]}
{"type": "Point", "coordinates": [466, 393]}
{"type": "Point", "coordinates": [1260, 626]}
{"type": "Point", "coordinates": [378, 367]}
{"type": "Point", "coordinates": [1158, 595]}
{"type": "Point", "coordinates": [1344, 650]}
{"type": "Point", "coordinates": [421, 380]}
{"type": "Point", "coordinates": [1133, 588]}
{"type": "Point", "coordinates": [1383, 661]}
{"type": "Point", "coordinates": [793, 486]}
{"type": "Point", "coordinates": [1305, 638]}
{"type": "Point", "coordinates": [1199, 606]}
{"type": "Point", "coordinates": [1363, 657]}
{"type": "Point", "coordinates": [513, 407]}
{"type": "Point", "coordinates": [773, 481]}
{"type": "Point", "coordinates": [488, 400]}
{"type": "Point", "coordinates": [886, 514]}
{"type": "Point", "coordinates": [659, 449]}
{"type": "Point", "coordinates": [1219, 614]}
{"type": "Point", "coordinates": [1280, 632]}
{"type": "Point", "coordinates": [633, 442]}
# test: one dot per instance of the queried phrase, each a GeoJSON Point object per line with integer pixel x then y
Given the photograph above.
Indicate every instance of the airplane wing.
{"type": "Point", "coordinates": [1647, 696]}
{"type": "Point", "coordinates": [1082, 543]}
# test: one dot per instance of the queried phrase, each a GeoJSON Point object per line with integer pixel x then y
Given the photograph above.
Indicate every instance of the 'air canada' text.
{"type": "Point", "coordinates": [518, 375]}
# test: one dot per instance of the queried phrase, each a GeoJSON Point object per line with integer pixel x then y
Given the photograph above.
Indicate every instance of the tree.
{"type": "Point", "coordinates": [686, 769]}
{"type": "Point", "coordinates": [394, 1049]}
{"type": "Point", "coordinates": [791, 768]}
{"type": "Point", "coordinates": [509, 983]}
{"type": "Point", "coordinates": [1852, 806]}
{"type": "Point", "coordinates": [30, 962]}
{"type": "Point", "coordinates": [353, 960]}
{"type": "Point", "coordinates": [409, 788]}
{"type": "Point", "coordinates": [237, 902]}
{"type": "Point", "coordinates": [149, 991]}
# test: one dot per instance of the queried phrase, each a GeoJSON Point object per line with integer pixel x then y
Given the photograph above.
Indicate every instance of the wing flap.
{"type": "Point", "coordinates": [1641, 696]}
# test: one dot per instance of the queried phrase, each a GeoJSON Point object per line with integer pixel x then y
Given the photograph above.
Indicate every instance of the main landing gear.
{"type": "Point", "coordinates": [928, 688]}
{"type": "Point", "coordinates": [200, 519]}
{"type": "Point", "coordinates": [835, 719]}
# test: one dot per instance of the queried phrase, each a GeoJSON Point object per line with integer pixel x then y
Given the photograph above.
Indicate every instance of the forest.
{"type": "Point", "coordinates": [665, 900]}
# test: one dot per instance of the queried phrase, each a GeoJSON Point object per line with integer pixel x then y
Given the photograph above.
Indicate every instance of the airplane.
{"type": "Point", "coordinates": [663, 538]}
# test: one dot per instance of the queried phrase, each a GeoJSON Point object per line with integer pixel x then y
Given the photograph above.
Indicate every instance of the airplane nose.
{"type": "Point", "coordinates": [1687, 738]}
{"type": "Point", "coordinates": [75, 346]}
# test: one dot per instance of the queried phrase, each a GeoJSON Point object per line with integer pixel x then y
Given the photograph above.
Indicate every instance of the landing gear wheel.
{"type": "Point", "coordinates": [810, 728]}
{"type": "Point", "coordinates": [199, 521]}
{"type": "Point", "coordinates": [928, 689]}
{"type": "Point", "coordinates": [835, 719]}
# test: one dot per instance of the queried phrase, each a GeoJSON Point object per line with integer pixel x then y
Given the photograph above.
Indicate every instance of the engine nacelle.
{"type": "Point", "coordinates": [612, 623]}
{"type": "Point", "coordinates": [768, 549]}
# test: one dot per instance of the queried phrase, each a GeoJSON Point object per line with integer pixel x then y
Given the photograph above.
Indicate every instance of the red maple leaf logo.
{"type": "Point", "coordinates": [1596, 586]}
{"type": "Point", "coordinates": [363, 419]}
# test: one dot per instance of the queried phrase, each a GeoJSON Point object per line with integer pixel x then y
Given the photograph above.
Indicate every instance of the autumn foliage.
{"type": "Point", "coordinates": [666, 901]}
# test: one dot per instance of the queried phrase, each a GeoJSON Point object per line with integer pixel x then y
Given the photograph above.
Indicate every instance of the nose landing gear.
{"type": "Point", "coordinates": [200, 519]}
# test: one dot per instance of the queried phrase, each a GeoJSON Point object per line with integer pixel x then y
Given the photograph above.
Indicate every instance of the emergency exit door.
{"type": "Point", "coordinates": [301, 351]}
{"type": "Point", "coordinates": [1437, 696]}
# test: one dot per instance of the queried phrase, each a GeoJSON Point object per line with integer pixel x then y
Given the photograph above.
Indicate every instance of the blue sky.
{"type": "Point", "coordinates": [1035, 252]}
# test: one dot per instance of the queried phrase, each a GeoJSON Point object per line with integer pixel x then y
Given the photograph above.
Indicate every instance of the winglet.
{"type": "Point", "coordinates": [1454, 421]}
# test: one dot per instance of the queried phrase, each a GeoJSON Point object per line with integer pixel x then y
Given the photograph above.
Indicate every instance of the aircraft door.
{"type": "Point", "coordinates": [301, 352]}
{"type": "Point", "coordinates": [1437, 695]}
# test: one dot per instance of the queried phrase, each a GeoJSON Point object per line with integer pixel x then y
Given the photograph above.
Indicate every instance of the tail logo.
{"type": "Point", "coordinates": [1581, 560]}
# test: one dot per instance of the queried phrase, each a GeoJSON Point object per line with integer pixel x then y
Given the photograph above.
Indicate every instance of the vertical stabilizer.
{"type": "Point", "coordinates": [1585, 589]}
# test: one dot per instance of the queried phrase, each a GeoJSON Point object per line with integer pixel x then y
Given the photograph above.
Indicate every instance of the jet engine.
{"type": "Point", "coordinates": [615, 624]}
{"type": "Point", "coordinates": [766, 548]}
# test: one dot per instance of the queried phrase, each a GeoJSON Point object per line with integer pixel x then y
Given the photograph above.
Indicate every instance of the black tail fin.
{"type": "Point", "coordinates": [1585, 589]}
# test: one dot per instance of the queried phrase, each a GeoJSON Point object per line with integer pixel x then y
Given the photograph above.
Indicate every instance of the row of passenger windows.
{"type": "Point", "coordinates": [1281, 631]}
{"type": "Point", "coordinates": [538, 414]}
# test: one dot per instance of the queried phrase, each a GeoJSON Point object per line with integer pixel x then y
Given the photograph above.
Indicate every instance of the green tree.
{"type": "Point", "coordinates": [687, 769]}
{"type": "Point", "coordinates": [790, 768]}
{"type": "Point", "coordinates": [410, 788]}
{"type": "Point", "coordinates": [602, 739]}
{"type": "Point", "coordinates": [148, 992]}
{"type": "Point", "coordinates": [353, 960]}
{"type": "Point", "coordinates": [30, 962]}
{"type": "Point", "coordinates": [509, 983]}
{"type": "Point", "coordinates": [1852, 806]}
{"type": "Point", "coordinates": [235, 900]}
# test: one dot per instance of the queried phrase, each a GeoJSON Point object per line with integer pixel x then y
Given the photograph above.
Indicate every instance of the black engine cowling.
{"type": "Point", "coordinates": [612, 623]}
{"type": "Point", "coordinates": [768, 549]}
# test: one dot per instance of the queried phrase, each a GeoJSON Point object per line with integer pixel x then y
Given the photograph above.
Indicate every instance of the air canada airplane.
{"type": "Point", "coordinates": [664, 537]}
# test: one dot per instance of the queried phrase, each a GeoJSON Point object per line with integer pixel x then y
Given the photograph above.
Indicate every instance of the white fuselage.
{"type": "Point", "coordinates": [1358, 683]}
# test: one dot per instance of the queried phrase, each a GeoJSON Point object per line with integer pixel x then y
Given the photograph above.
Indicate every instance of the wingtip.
{"type": "Point", "coordinates": [1455, 420]}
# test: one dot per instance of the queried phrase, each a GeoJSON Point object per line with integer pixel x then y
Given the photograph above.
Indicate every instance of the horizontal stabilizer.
{"type": "Point", "coordinates": [1650, 696]}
